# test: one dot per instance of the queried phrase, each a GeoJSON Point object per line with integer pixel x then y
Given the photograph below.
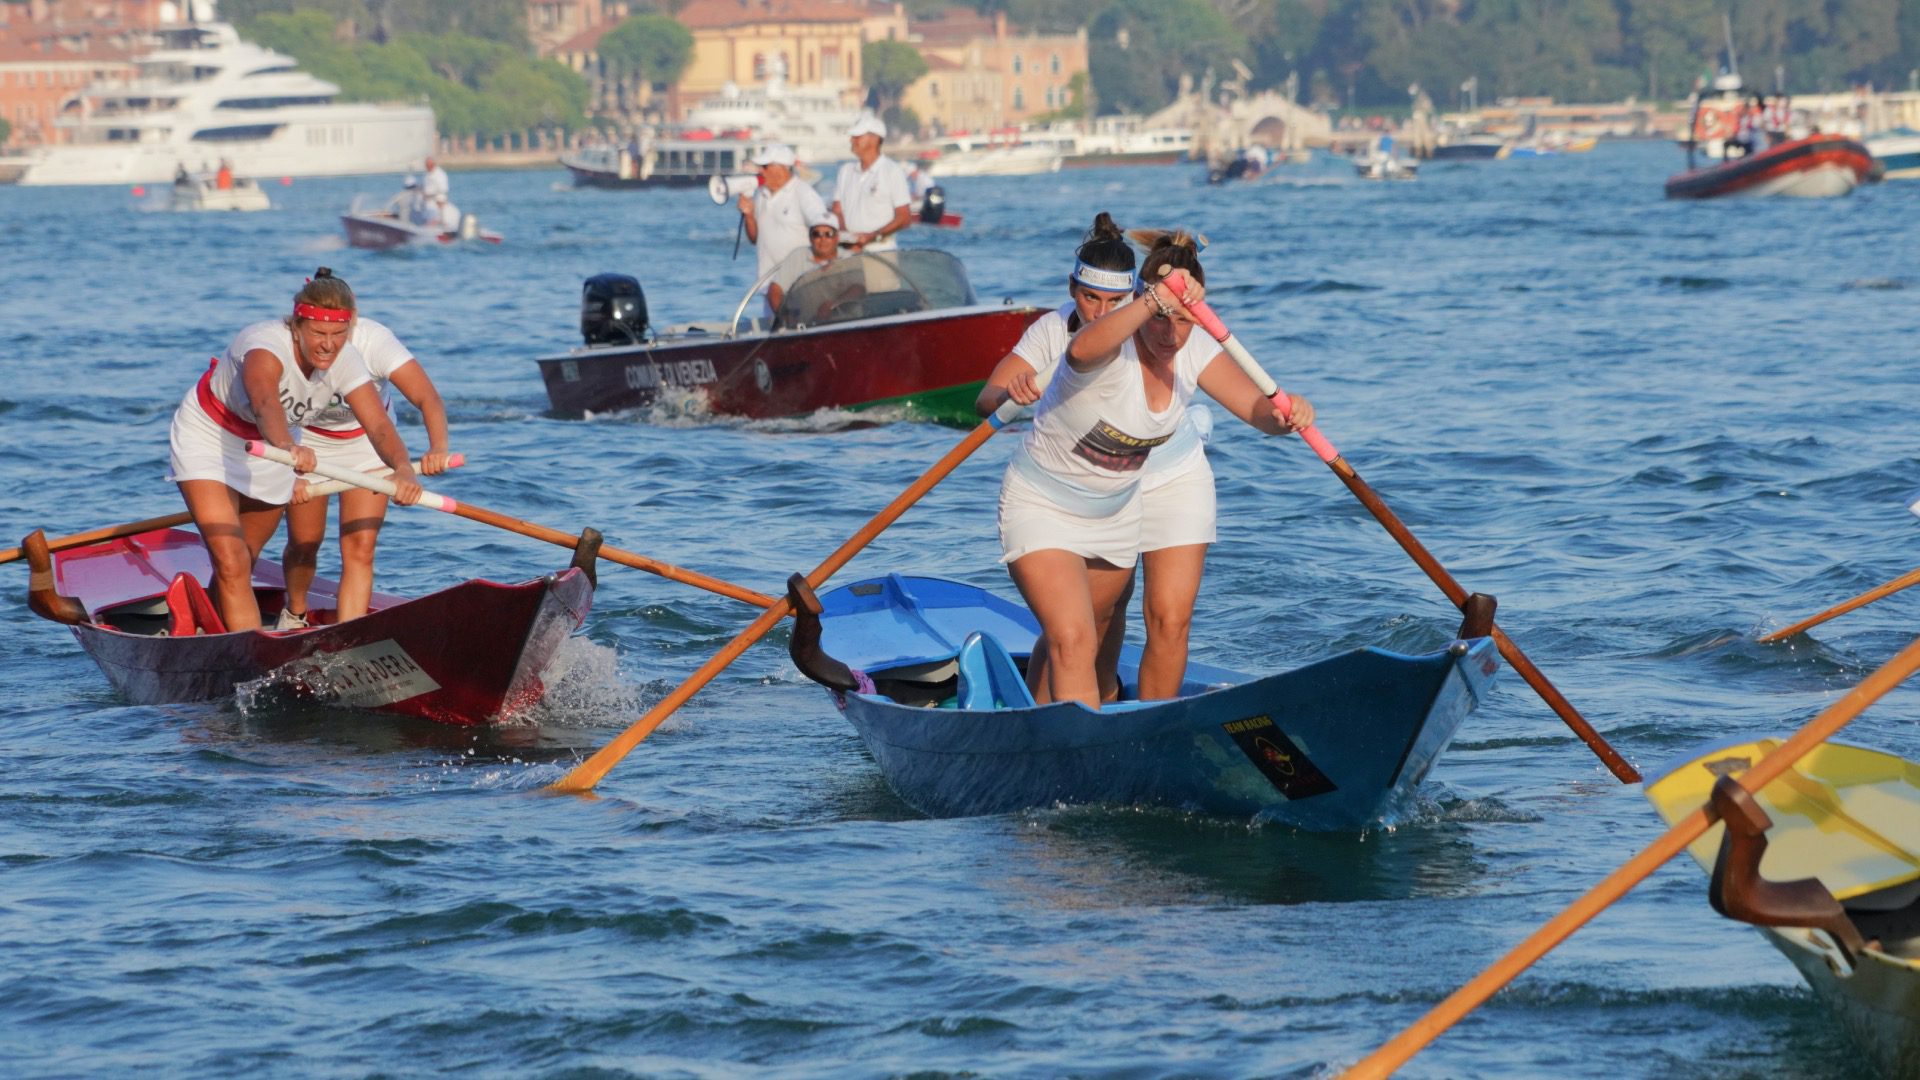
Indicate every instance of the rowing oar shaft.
{"type": "Point", "coordinates": [134, 528]}
{"type": "Point", "coordinates": [1906, 580]}
{"type": "Point", "coordinates": [1535, 678]}
{"type": "Point", "coordinates": [588, 773]}
{"type": "Point", "coordinates": [525, 528]}
{"type": "Point", "coordinates": [1402, 1047]}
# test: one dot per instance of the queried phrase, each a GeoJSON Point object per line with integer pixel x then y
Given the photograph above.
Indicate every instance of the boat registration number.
{"type": "Point", "coordinates": [377, 674]}
{"type": "Point", "coordinates": [652, 375]}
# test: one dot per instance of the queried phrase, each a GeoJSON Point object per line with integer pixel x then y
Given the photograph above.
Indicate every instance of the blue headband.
{"type": "Point", "coordinates": [1093, 277]}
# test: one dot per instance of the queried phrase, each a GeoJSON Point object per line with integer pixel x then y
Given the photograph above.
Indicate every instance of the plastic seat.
{"type": "Point", "coordinates": [190, 610]}
{"type": "Point", "coordinates": [989, 679]}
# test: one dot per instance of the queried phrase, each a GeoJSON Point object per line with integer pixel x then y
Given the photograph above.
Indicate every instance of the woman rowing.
{"type": "Point", "coordinates": [336, 439]}
{"type": "Point", "coordinates": [276, 376]}
{"type": "Point", "coordinates": [1072, 518]}
{"type": "Point", "coordinates": [1176, 485]}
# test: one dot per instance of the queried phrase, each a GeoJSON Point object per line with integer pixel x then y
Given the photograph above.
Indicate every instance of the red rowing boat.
{"type": "Point", "coordinates": [468, 654]}
{"type": "Point", "coordinates": [897, 328]}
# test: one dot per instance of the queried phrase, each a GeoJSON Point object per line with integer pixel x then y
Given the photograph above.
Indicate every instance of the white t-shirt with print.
{"type": "Point", "coordinates": [780, 221]}
{"type": "Point", "coordinates": [384, 355]}
{"type": "Point", "coordinates": [1094, 429]}
{"type": "Point", "coordinates": [301, 396]}
{"type": "Point", "coordinates": [869, 198]}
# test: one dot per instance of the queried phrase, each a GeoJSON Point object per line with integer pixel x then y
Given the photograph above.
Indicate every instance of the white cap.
{"type": "Point", "coordinates": [825, 217]}
{"type": "Point", "coordinates": [775, 154]}
{"type": "Point", "coordinates": [868, 124]}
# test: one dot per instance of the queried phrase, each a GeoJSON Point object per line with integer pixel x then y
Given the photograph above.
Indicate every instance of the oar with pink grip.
{"type": "Point", "coordinates": [526, 528]}
{"type": "Point", "coordinates": [1176, 283]}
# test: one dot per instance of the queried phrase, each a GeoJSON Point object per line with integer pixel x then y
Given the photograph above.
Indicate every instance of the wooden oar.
{"type": "Point", "coordinates": [134, 528]}
{"type": "Point", "coordinates": [1535, 678]}
{"type": "Point", "coordinates": [588, 773]}
{"type": "Point", "coordinates": [1906, 580]}
{"type": "Point", "coordinates": [1403, 1046]}
{"type": "Point", "coordinates": [524, 528]}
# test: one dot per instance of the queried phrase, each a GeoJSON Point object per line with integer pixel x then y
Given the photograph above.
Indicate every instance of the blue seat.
{"type": "Point", "coordinates": [988, 677]}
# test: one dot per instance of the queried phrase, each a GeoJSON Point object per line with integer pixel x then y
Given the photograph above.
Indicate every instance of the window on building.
{"type": "Point", "coordinates": [1016, 64]}
{"type": "Point", "coordinates": [1055, 63]}
{"type": "Point", "coordinates": [1049, 97]}
{"type": "Point", "coordinates": [830, 63]}
{"type": "Point", "coordinates": [1019, 98]}
{"type": "Point", "coordinates": [933, 89]}
{"type": "Point", "coordinates": [759, 65]}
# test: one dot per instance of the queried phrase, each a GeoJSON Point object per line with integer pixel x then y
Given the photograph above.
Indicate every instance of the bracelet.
{"type": "Point", "coordinates": [1158, 305]}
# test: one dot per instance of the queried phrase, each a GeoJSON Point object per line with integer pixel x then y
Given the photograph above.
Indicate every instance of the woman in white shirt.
{"type": "Point", "coordinates": [337, 439]}
{"type": "Point", "coordinates": [1071, 506]}
{"type": "Point", "coordinates": [276, 376]}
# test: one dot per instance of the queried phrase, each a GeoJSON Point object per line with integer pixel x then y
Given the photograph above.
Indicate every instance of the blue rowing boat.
{"type": "Point", "coordinates": [930, 672]}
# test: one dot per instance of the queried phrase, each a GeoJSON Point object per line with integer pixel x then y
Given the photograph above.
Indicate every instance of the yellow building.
{"type": "Point", "coordinates": [984, 74]}
{"type": "Point", "coordinates": [742, 41]}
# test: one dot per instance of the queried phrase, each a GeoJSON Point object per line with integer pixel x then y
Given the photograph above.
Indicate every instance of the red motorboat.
{"type": "Point", "coordinates": [892, 328]}
{"type": "Point", "coordinates": [1818, 166]}
{"type": "Point", "coordinates": [469, 654]}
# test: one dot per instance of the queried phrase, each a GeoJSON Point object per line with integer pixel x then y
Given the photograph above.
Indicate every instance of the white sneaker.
{"type": "Point", "coordinates": [289, 621]}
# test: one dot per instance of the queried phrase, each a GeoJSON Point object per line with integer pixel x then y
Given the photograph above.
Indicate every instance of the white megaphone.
{"type": "Point", "coordinates": [725, 189]}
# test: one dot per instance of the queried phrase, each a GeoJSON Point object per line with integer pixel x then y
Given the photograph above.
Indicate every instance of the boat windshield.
{"type": "Point", "coordinates": [873, 285]}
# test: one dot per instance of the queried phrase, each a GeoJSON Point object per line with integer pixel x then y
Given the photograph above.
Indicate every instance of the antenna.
{"type": "Point", "coordinates": [1733, 62]}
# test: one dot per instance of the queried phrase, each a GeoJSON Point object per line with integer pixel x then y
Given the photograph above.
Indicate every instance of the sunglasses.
{"type": "Point", "coordinates": [818, 233]}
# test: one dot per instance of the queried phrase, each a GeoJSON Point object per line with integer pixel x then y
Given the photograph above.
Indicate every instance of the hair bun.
{"type": "Point", "coordinates": [323, 272]}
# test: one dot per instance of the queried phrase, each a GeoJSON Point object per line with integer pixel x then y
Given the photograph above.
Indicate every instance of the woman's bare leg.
{"type": "Point", "coordinates": [1062, 589]}
{"type": "Point", "coordinates": [306, 530]}
{"type": "Point", "coordinates": [361, 515]}
{"type": "Point", "coordinates": [1106, 662]}
{"type": "Point", "coordinates": [234, 528]}
{"type": "Point", "coordinates": [1173, 582]}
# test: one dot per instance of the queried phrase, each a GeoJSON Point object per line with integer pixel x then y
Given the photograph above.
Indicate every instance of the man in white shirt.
{"type": "Point", "coordinates": [823, 246]}
{"type": "Point", "coordinates": [776, 214]}
{"type": "Point", "coordinates": [871, 198]}
{"type": "Point", "coordinates": [435, 181]}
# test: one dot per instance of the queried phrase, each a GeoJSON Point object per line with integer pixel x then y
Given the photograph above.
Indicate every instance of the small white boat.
{"type": "Point", "coordinates": [1379, 166]}
{"type": "Point", "coordinates": [380, 228]}
{"type": "Point", "coordinates": [205, 193]}
{"type": "Point", "coordinates": [1838, 839]}
{"type": "Point", "coordinates": [1019, 159]}
{"type": "Point", "coordinates": [1897, 153]}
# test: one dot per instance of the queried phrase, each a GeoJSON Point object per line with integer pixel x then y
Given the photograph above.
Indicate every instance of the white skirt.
{"type": "Point", "coordinates": [1030, 522]}
{"type": "Point", "coordinates": [1177, 507]}
{"type": "Point", "coordinates": [203, 450]}
{"type": "Point", "coordinates": [356, 453]}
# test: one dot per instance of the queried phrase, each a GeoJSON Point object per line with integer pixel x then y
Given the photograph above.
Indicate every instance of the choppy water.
{"type": "Point", "coordinates": [1652, 429]}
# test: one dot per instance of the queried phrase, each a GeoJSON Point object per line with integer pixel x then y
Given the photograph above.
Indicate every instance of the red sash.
{"type": "Point", "coordinates": [339, 433]}
{"type": "Point", "coordinates": [218, 410]}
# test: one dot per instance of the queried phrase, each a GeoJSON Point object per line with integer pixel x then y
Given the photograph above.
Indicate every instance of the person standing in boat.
{"type": "Point", "coordinates": [1071, 508]}
{"type": "Point", "coordinates": [276, 376]}
{"type": "Point", "coordinates": [777, 213]}
{"type": "Point", "coordinates": [823, 247]}
{"type": "Point", "coordinates": [337, 438]}
{"type": "Point", "coordinates": [871, 196]}
{"type": "Point", "coordinates": [434, 181]}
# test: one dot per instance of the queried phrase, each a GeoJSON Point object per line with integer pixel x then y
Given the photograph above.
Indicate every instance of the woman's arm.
{"type": "Point", "coordinates": [1012, 378]}
{"type": "Point", "coordinates": [365, 403]}
{"type": "Point", "coordinates": [1223, 381]}
{"type": "Point", "coordinates": [260, 372]}
{"type": "Point", "coordinates": [413, 383]}
{"type": "Point", "coordinates": [1096, 345]}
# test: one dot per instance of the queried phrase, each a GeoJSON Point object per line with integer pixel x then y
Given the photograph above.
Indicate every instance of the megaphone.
{"type": "Point", "coordinates": [725, 189]}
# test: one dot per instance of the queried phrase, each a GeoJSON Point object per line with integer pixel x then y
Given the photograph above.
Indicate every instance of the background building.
{"type": "Point", "coordinates": [986, 74]}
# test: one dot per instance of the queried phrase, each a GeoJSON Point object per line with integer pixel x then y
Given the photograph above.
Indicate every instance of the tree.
{"type": "Point", "coordinates": [1140, 48]}
{"type": "Point", "coordinates": [651, 47]}
{"type": "Point", "coordinates": [6, 132]}
{"type": "Point", "coordinates": [891, 67]}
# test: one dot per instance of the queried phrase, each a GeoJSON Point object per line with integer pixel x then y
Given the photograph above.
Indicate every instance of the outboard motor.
{"type": "Point", "coordinates": [469, 227]}
{"type": "Point", "coordinates": [935, 205]}
{"type": "Point", "coordinates": [613, 310]}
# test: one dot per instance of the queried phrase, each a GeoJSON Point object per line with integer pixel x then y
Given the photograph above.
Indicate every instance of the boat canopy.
{"type": "Point", "coordinates": [874, 285]}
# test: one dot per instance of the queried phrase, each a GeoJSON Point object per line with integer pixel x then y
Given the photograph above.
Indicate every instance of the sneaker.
{"type": "Point", "coordinates": [290, 621]}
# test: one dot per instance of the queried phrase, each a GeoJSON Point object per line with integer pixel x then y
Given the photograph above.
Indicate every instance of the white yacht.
{"type": "Point", "coordinates": [812, 119]}
{"type": "Point", "coordinates": [205, 96]}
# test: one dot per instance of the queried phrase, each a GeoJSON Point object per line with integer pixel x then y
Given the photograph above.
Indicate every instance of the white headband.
{"type": "Point", "coordinates": [1093, 277]}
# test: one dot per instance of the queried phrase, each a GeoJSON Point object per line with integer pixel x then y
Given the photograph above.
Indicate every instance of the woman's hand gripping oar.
{"type": "Point", "coordinates": [1402, 1047]}
{"type": "Point", "coordinates": [134, 528]}
{"type": "Point", "coordinates": [1204, 315]}
{"type": "Point", "coordinates": [525, 528]}
{"type": "Point", "coordinates": [588, 773]}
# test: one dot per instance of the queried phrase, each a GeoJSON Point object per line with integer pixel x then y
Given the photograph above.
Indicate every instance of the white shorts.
{"type": "Point", "coordinates": [1030, 522]}
{"type": "Point", "coordinates": [203, 450]}
{"type": "Point", "coordinates": [356, 453]}
{"type": "Point", "coordinates": [1177, 507]}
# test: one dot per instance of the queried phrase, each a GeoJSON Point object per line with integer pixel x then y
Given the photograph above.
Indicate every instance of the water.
{"type": "Point", "coordinates": [1652, 429]}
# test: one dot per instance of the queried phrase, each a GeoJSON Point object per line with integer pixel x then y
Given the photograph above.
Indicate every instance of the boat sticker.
{"type": "Point", "coordinates": [377, 674]}
{"type": "Point", "coordinates": [569, 371]}
{"type": "Point", "coordinates": [1726, 766]}
{"type": "Point", "coordinates": [1277, 758]}
{"type": "Point", "coordinates": [648, 375]}
{"type": "Point", "coordinates": [1489, 666]}
{"type": "Point", "coordinates": [762, 376]}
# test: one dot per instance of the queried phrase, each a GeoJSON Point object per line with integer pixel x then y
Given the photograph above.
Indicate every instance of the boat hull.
{"type": "Point", "coordinates": [1850, 818]}
{"type": "Point", "coordinates": [380, 233]}
{"type": "Point", "coordinates": [1333, 746]}
{"type": "Point", "coordinates": [469, 654]}
{"type": "Point", "coordinates": [1817, 167]}
{"type": "Point", "coordinates": [930, 362]}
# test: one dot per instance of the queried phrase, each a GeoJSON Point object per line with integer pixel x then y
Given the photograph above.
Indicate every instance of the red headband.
{"type": "Point", "coordinates": [322, 314]}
